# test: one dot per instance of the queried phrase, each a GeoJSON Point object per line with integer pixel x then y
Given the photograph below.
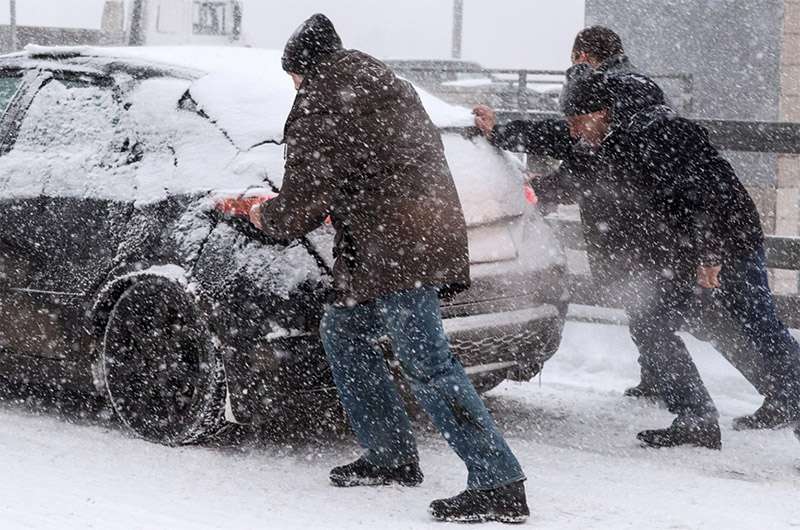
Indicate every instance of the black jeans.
{"type": "Point", "coordinates": [740, 319]}
{"type": "Point", "coordinates": [657, 304]}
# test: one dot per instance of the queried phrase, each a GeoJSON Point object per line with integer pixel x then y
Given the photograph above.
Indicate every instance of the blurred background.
{"type": "Point", "coordinates": [536, 34]}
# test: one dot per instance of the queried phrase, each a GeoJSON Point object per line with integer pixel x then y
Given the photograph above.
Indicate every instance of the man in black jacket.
{"type": "Point", "coordinates": [602, 49]}
{"type": "Point", "coordinates": [708, 317]}
{"type": "Point", "coordinates": [669, 216]}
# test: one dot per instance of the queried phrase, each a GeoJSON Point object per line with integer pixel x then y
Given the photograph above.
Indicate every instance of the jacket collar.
{"type": "Point", "coordinates": [616, 64]}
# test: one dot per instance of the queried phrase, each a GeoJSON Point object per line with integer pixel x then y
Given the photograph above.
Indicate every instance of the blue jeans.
{"type": "Point", "coordinates": [412, 321]}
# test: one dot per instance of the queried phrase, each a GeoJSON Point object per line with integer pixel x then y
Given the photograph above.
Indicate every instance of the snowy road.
{"type": "Point", "coordinates": [573, 433]}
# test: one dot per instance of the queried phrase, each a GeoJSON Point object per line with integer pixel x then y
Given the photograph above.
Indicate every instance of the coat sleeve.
{"type": "Point", "coordinates": [566, 184]}
{"type": "Point", "coordinates": [546, 137]}
{"type": "Point", "coordinates": [557, 187]}
{"type": "Point", "coordinates": [695, 177]}
{"type": "Point", "coordinates": [309, 188]}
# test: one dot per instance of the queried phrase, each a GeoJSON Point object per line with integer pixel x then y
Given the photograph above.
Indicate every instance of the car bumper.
{"type": "Point", "coordinates": [512, 344]}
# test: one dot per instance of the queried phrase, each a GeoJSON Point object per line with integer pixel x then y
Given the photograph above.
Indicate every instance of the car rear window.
{"type": "Point", "coordinates": [9, 83]}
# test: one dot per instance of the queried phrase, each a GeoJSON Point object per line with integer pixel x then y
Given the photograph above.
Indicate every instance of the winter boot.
{"type": "Point", "coordinates": [770, 415]}
{"type": "Point", "coordinates": [685, 430]}
{"type": "Point", "coordinates": [644, 390]}
{"type": "Point", "coordinates": [362, 473]}
{"type": "Point", "coordinates": [506, 504]}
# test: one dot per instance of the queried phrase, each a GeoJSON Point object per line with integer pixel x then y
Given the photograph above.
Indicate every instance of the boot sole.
{"type": "Point", "coordinates": [483, 518]}
{"type": "Point", "coordinates": [342, 482]}
{"type": "Point", "coordinates": [654, 445]}
{"type": "Point", "coordinates": [774, 427]}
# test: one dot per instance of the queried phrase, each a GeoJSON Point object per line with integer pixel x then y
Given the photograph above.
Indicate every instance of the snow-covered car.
{"type": "Point", "coordinates": [119, 276]}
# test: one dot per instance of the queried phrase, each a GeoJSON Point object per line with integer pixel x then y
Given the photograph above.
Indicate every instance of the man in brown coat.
{"type": "Point", "coordinates": [362, 150]}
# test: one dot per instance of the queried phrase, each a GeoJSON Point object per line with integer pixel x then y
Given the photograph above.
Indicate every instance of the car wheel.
{"type": "Point", "coordinates": [165, 380]}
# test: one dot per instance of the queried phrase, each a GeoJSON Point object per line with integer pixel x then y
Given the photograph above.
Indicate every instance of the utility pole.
{"type": "Point", "coordinates": [136, 37]}
{"type": "Point", "coordinates": [458, 27]}
{"type": "Point", "coordinates": [13, 25]}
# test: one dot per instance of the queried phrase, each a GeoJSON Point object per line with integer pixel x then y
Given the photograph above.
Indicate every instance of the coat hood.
{"type": "Point", "coordinates": [311, 44]}
{"type": "Point", "coordinates": [632, 94]}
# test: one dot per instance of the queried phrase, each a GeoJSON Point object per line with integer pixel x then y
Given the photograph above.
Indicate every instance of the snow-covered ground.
{"type": "Point", "coordinates": [573, 433]}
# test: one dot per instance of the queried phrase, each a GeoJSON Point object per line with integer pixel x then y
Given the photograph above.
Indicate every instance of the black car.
{"type": "Point", "coordinates": [119, 277]}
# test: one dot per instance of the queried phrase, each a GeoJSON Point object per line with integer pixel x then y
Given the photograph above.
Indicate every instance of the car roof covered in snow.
{"type": "Point", "coordinates": [244, 90]}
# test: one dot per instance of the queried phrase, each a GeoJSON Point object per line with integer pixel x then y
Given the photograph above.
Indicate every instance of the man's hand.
{"type": "Point", "coordinates": [255, 216]}
{"type": "Point", "coordinates": [485, 119]}
{"type": "Point", "coordinates": [708, 276]}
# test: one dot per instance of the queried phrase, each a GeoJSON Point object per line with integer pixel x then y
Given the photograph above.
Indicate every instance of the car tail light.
{"type": "Point", "coordinates": [241, 206]}
{"type": "Point", "coordinates": [530, 195]}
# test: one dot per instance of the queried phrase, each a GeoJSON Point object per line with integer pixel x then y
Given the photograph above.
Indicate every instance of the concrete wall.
{"type": "Point", "coordinates": [731, 47]}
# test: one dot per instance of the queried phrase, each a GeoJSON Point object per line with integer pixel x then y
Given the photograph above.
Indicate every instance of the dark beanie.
{"type": "Point", "coordinates": [313, 42]}
{"type": "Point", "coordinates": [585, 91]}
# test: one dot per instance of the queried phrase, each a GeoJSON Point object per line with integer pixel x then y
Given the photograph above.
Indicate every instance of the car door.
{"type": "Point", "coordinates": [68, 220]}
{"type": "Point", "coordinates": [19, 202]}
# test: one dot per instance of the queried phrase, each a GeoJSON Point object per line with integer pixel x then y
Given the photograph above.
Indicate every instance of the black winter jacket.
{"type": "Point", "coordinates": [656, 194]}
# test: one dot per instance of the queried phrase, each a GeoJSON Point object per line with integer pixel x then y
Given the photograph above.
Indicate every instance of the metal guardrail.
{"type": "Point", "coordinates": [522, 79]}
{"type": "Point", "coordinates": [782, 253]}
{"type": "Point", "coordinates": [727, 135]}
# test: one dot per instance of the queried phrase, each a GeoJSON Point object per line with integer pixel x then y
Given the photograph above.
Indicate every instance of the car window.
{"type": "Point", "coordinates": [9, 83]}
{"type": "Point", "coordinates": [63, 145]}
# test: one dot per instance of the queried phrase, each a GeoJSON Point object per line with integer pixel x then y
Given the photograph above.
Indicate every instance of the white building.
{"type": "Point", "coordinates": [174, 22]}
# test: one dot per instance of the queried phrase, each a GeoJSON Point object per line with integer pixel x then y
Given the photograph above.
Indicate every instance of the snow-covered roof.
{"type": "Point", "coordinates": [245, 90]}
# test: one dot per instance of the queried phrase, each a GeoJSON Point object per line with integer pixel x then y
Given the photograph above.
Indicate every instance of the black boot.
{"type": "Point", "coordinates": [506, 504]}
{"type": "Point", "coordinates": [699, 432]}
{"type": "Point", "coordinates": [770, 415]}
{"type": "Point", "coordinates": [362, 473]}
{"type": "Point", "coordinates": [643, 390]}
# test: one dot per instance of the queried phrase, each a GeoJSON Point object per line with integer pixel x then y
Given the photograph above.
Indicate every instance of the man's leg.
{"type": "Point", "coordinates": [374, 408]}
{"type": "Point", "coordinates": [655, 317]}
{"type": "Point", "coordinates": [746, 295]}
{"type": "Point", "coordinates": [711, 321]}
{"type": "Point", "coordinates": [495, 490]}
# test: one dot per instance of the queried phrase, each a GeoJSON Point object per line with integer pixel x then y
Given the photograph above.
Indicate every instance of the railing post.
{"type": "Point", "coordinates": [522, 91]}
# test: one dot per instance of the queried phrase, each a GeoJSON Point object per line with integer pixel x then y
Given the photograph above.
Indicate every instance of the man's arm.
{"type": "Point", "coordinates": [567, 184]}
{"type": "Point", "coordinates": [309, 189]}
{"type": "Point", "coordinates": [546, 137]}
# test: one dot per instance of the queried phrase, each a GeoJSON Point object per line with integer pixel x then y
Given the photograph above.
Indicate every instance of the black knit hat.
{"type": "Point", "coordinates": [313, 42]}
{"type": "Point", "coordinates": [585, 91]}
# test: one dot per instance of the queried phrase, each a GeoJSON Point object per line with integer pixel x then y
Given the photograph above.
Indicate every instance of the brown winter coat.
{"type": "Point", "coordinates": [362, 149]}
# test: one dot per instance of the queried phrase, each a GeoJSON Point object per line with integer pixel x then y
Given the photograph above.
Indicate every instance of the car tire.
{"type": "Point", "coordinates": [163, 375]}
